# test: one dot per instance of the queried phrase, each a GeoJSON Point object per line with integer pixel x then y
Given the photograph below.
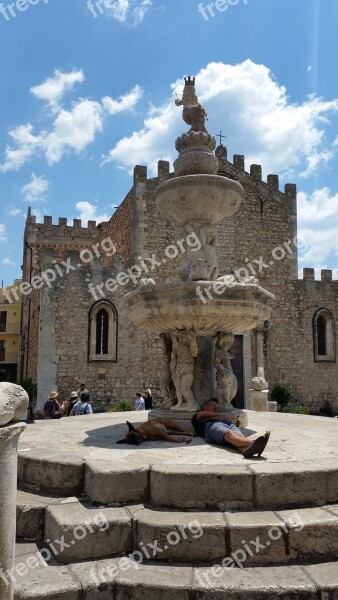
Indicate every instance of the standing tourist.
{"type": "Point", "coordinates": [52, 408]}
{"type": "Point", "coordinates": [148, 400]}
{"type": "Point", "coordinates": [139, 403]}
{"type": "Point", "coordinates": [82, 389]}
{"type": "Point", "coordinates": [69, 405]}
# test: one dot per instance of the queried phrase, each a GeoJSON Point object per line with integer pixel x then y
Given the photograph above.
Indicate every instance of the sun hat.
{"type": "Point", "coordinates": [74, 395]}
{"type": "Point", "coordinates": [53, 395]}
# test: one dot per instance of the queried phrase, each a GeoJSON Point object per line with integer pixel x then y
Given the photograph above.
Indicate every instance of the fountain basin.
{"type": "Point", "coordinates": [166, 307]}
{"type": "Point", "coordinates": [205, 198]}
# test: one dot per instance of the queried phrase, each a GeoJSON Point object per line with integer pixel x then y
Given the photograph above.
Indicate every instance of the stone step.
{"type": "Point", "coordinates": [30, 513]}
{"type": "Point", "coordinates": [79, 531]}
{"type": "Point", "coordinates": [123, 579]}
{"type": "Point", "coordinates": [253, 483]}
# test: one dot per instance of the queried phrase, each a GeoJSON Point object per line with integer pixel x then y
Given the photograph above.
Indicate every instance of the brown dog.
{"type": "Point", "coordinates": [156, 429]}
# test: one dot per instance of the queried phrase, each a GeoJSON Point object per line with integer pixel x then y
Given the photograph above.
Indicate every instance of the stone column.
{"type": "Point", "coordinates": [9, 436]}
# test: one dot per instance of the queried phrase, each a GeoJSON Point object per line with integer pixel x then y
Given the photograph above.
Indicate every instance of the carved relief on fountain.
{"type": "Point", "coordinates": [200, 264]}
{"type": "Point", "coordinates": [226, 380]}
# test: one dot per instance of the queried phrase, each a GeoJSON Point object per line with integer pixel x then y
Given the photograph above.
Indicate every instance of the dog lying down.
{"type": "Point", "coordinates": [154, 430]}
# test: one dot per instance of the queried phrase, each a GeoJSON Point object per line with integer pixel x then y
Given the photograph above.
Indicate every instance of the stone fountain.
{"type": "Point", "coordinates": [198, 314]}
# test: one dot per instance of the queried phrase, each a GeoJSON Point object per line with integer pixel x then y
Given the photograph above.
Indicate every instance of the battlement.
{"type": "Point", "coordinates": [62, 232]}
{"type": "Point", "coordinates": [238, 163]}
{"type": "Point", "coordinates": [325, 275]}
{"type": "Point", "coordinates": [62, 222]}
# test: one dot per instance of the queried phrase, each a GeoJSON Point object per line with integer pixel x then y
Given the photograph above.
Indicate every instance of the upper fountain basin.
{"type": "Point", "coordinates": [209, 198]}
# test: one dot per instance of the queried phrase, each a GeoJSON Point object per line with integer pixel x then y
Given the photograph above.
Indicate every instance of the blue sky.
{"type": "Point", "coordinates": [84, 98]}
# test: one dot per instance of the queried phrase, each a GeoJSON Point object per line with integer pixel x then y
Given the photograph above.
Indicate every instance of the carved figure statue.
{"type": "Point", "coordinates": [201, 263]}
{"type": "Point", "coordinates": [193, 113]}
{"type": "Point", "coordinates": [13, 402]}
{"type": "Point", "coordinates": [259, 383]}
{"type": "Point", "coordinates": [184, 351]}
{"type": "Point", "coordinates": [226, 380]}
{"type": "Point", "coordinates": [167, 384]}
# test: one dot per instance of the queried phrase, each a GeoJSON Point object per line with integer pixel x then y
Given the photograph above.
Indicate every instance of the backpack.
{"type": "Point", "coordinates": [84, 409]}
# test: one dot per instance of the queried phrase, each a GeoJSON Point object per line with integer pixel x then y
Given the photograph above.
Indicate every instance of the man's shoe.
{"type": "Point", "coordinates": [257, 446]}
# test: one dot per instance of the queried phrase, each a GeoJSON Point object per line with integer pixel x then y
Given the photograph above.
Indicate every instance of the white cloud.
{"type": "Point", "coordinates": [3, 233]}
{"type": "Point", "coordinates": [36, 189]}
{"type": "Point", "coordinates": [14, 212]}
{"type": "Point", "coordinates": [318, 228]}
{"type": "Point", "coordinates": [72, 130]}
{"type": "Point", "coordinates": [8, 262]}
{"type": "Point", "coordinates": [258, 116]}
{"type": "Point", "coordinates": [130, 12]}
{"type": "Point", "coordinates": [309, 69]}
{"type": "Point", "coordinates": [53, 89]}
{"type": "Point", "coordinates": [25, 145]}
{"type": "Point", "coordinates": [88, 212]}
{"type": "Point", "coordinates": [125, 102]}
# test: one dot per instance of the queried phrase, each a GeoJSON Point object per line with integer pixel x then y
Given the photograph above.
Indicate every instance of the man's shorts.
{"type": "Point", "coordinates": [214, 432]}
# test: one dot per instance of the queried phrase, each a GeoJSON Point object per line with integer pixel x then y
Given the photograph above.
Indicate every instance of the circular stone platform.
{"type": "Point", "coordinates": [80, 455]}
{"type": "Point", "coordinates": [294, 439]}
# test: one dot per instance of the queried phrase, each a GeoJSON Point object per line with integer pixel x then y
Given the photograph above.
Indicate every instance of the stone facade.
{"type": "Point", "coordinates": [259, 240]}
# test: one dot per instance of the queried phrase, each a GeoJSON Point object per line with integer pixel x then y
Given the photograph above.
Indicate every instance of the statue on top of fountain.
{"type": "Point", "coordinates": [193, 113]}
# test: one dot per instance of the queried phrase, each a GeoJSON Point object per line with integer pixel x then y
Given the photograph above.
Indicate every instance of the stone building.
{"type": "Point", "coordinates": [75, 325]}
{"type": "Point", "coordinates": [10, 315]}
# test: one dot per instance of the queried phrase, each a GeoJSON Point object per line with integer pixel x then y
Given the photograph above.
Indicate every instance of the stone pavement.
{"type": "Point", "coordinates": [294, 439]}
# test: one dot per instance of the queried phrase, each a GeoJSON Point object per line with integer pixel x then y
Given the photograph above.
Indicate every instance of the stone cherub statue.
{"type": "Point", "coordinates": [13, 402]}
{"type": "Point", "coordinates": [193, 113]}
{"type": "Point", "coordinates": [226, 380]}
{"type": "Point", "coordinates": [182, 363]}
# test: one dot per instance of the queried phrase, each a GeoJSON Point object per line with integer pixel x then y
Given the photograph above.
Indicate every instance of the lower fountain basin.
{"type": "Point", "coordinates": [199, 305]}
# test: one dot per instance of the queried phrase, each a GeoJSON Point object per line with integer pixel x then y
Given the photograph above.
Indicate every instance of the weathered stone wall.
{"type": "Point", "coordinates": [120, 229]}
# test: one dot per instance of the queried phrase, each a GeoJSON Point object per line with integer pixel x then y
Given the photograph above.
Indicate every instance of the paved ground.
{"type": "Point", "coordinates": [294, 438]}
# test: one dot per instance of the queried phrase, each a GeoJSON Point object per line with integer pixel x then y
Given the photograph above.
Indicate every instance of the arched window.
{"type": "Point", "coordinates": [102, 332]}
{"type": "Point", "coordinates": [324, 336]}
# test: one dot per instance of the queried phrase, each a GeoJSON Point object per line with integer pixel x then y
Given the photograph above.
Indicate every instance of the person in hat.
{"type": "Point", "coordinates": [52, 408]}
{"type": "Point", "coordinates": [83, 407]}
{"type": "Point", "coordinates": [69, 404]}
